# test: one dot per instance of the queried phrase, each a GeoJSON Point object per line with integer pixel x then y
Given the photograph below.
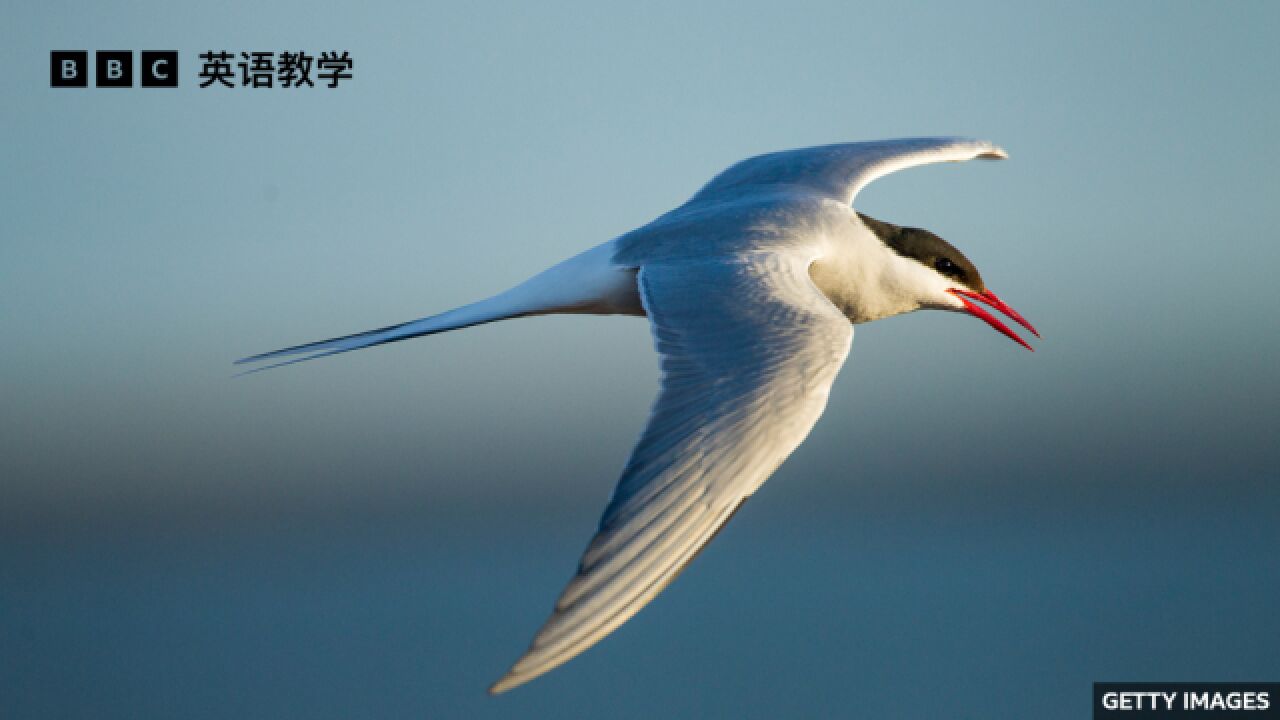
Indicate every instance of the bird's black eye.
{"type": "Point", "coordinates": [946, 267]}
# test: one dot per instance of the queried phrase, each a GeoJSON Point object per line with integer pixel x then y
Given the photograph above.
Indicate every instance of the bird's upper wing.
{"type": "Point", "coordinates": [749, 351]}
{"type": "Point", "coordinates": [842, 170]}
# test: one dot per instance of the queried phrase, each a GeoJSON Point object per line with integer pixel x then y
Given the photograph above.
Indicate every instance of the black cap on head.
{"type": "Point", "coordinates": [929, 250]}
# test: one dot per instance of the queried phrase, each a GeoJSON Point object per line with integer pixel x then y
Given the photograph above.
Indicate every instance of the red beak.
{"type": "Point", "coordinates": [990, 298]}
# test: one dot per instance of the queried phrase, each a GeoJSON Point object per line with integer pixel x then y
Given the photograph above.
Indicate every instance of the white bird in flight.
{"type": "Point", "coordinates": [752, 289]}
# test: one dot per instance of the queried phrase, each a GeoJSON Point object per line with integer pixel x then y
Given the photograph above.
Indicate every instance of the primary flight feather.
{"type": "Point", "coordinates": [751, 288]}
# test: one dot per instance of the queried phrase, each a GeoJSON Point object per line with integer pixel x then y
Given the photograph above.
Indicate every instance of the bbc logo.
{"type": "Point", "coordinates": [113, 68]}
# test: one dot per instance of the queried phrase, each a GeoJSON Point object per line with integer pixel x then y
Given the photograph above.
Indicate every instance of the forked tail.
{"type": "Point", "coordinates": [466, 316]}
{"type": "Point", "coordinates": [587, 283]}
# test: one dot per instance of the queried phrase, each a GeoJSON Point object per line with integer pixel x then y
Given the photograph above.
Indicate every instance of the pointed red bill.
{"type": "Point", "coordinates": [990, 298]}
{"type": "Point", "coordinates": [1000, 305]}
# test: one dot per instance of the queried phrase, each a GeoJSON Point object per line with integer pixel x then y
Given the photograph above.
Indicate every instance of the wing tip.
{"type": "Point", "coordinates": [504, 683]}
{"type": "Point", "coordinates": [513, 678]}
{"type": "Point", "coordinates": [981, 149]}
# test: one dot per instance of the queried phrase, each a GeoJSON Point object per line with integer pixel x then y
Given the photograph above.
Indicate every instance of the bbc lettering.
{"type": "Point", "coordinates": [159, 68]}
{"type": "Point", "coordinates": [68, 68]}
{"type": "Point", "coordinates": [113, 68]}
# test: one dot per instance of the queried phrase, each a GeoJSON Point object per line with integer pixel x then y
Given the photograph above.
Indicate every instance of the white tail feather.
{"type": "Point", "coordinates": [586, 283]}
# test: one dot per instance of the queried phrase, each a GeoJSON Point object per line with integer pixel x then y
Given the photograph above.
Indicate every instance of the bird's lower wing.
{"type": "Point", "coordinates": [749, 351]}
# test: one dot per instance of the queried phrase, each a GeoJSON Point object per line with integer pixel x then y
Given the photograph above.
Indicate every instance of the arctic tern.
{"type": "Point", "coordinates": [752, 289]}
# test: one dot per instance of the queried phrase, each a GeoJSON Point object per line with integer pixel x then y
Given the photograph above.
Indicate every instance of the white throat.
{"type": "Point", "coordinates": [868, 281]}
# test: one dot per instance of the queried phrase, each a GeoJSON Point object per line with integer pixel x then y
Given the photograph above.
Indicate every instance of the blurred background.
{"type": "Point", "coordinates": [971, 530]}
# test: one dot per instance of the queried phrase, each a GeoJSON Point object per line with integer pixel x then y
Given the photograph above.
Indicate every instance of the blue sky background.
{"type": "Point", "coordinates": [148, 238]}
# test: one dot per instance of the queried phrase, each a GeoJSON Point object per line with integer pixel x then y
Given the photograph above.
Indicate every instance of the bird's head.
{"type": "Point", "coordinates": [949, 281]}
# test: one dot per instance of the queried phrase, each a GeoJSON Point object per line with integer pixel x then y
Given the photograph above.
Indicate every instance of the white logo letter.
{"type": "Point", "coordinates": [69, 69]}
{"type": "Point", "coordinates": [155, 70]}
{"type": "Point", "coordinates": [114, 69]}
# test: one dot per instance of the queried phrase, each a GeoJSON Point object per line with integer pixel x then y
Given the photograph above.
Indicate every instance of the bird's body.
{"type": "Point", "coordinates": [751, 289]}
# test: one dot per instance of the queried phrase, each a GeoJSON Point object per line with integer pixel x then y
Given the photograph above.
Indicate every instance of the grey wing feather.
{"type": "Point", "coordinates": [749, 351]}
{"type": "Point", "coordinates": [841, 170]}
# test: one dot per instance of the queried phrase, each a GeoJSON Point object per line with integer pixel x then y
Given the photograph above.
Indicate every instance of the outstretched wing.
{"type": "Point", "coordinates": [840, 171]}
{"type": "Point", "coordinates": [749, 351]}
